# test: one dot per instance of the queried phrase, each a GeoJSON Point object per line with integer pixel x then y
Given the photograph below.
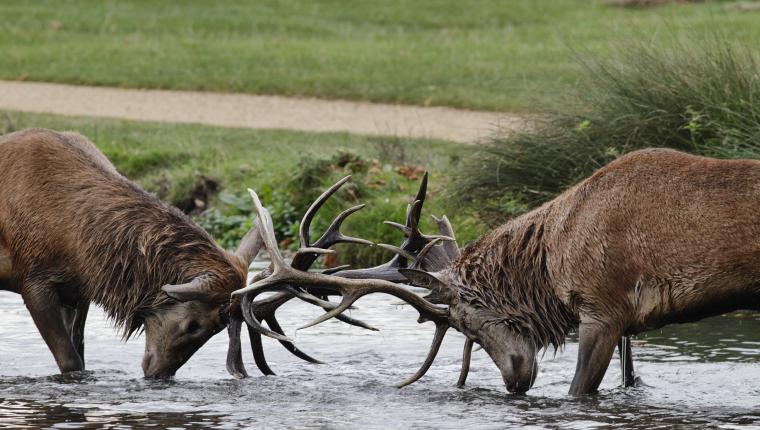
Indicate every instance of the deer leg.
{"type": "Point", "coordinates": [77, 337]}
{"type": "Point", "coordinates": [74, 320]}
{"type": "Point", "coordinates": [596, 343]}
{"type": "Point", "coordinates": [46, 310]}
{"type": "Point", "coordinates": [626, 361]}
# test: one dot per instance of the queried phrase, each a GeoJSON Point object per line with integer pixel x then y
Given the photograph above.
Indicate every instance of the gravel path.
{"type": "Point", "coordinates": [252, 111]}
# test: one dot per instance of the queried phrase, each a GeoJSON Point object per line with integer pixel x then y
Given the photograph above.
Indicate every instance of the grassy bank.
{"type": "Point", "coordinates": [207, 170]}
{"type": "Point", "coordinates": [486, 54]}
{"type": "Point", "coordinates": [699, 97]}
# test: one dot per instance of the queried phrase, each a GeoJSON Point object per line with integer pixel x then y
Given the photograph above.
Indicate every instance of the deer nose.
{"type": "Point", "coordinates": [515, 362]}
{"type": "Point", "coordinates": [147, 363]}
{"type": "Point", "coordinates": [518, 374]}
{"type": "Point", "coordinates": [153, 368]}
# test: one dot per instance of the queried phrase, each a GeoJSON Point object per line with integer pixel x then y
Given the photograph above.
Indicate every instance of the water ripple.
{"type": "Point", "coordinates": [697, 375]}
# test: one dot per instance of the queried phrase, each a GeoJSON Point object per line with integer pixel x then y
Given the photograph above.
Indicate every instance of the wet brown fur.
{"type": "Point", "coordinates": [653, 238]}
{"type": "Point", "coordinates": [69, 219]}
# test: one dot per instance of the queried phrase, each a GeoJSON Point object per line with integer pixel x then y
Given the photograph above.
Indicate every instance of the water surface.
{"type": "Point", "coordinates": [705, 374]}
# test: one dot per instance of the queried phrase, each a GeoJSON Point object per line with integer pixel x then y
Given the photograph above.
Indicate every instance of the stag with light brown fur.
{"type": "Point", "coordinates": [653, 238]}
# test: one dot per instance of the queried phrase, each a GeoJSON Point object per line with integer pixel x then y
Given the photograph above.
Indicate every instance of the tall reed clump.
{"type": "Point", "coordinates": [701, 97]}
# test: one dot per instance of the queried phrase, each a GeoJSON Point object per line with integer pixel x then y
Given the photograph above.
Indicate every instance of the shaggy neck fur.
{"type": "Point", "coordinates": [141, 245]}
{"type": "Point", "coordinates": [505, 274]}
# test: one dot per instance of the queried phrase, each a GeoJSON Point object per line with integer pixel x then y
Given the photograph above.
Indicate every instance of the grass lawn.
{"type": "Point", "coordinates": [287, 169]}
{"type": "Point", "coordinates": [494, 55]}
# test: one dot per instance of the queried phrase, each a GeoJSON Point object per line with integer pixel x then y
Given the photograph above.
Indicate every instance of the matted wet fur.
{"type": "Point", "coordinates": [653, 238]}
{"type": "Point", "coordinates": [504, 274]}
{"type": "Point", "coordinates": [76, 230]}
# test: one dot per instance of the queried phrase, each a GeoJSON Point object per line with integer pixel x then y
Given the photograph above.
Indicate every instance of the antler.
{"type": "Point", "coordinates": [264, 310]}
{"type": "Point", "coordinates": [466, 355]}
{"type": "Point", "coordinates": [415, 248]}
{"type": "Point", "coordinates": [284, 277]}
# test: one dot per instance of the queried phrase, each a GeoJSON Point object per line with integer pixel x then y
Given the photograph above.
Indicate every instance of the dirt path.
{"type": "Point", "coordinates": [251, 111]}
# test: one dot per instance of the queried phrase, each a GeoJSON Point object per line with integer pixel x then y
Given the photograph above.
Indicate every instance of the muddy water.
{"type": "Point", "coordinates": [705, 374]}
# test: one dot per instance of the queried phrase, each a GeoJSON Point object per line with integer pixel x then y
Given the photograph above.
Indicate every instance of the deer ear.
{"type": "Point", "coordinates": [197, 289]}
{"type": "Point", "coordinates": [441, 293]}
{"type": "Point", "coordinates": [419, 278]}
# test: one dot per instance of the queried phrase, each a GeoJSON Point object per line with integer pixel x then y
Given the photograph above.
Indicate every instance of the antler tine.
{"type": "Point", "coordinates": [399, 251]}
{"type": "Point", "coordinates": [354, 289]}
{"type": "Point", "coordinates": [422, 254]}
{"type": "Point", "coordinates": [404, 229]}
{"type": "Point", "coordinates": [422, 191]}
{"type": "Point", "coordinates": [345, 304]}
{"type": "Point", "coordinates": [421, 260]}
{"type": "Point", "coordinates": [328, 306]}
{"type": "Point", "coordinates": [267, 233]}
{"type": "Point", "coordinates": [265, 309]}
{"type": "Point", "coordinates": [466, 355]}
{"type": "Point", "coordinates": [445, 228]}
{"type": "Point", "coordinates": [275, 325]}
{"type": "Point", "coordinates": [258, 352]}
{"type": "Point", "coordinates": [413, 211]}
{"type": "Point", "coordinates": [258, 349]}
{"type": "Point", "coordinates": [440, 332]}
{"type": "Point", "coordinates": [314, 208]}
{"type": "Point", "coordinates": [235, 365]}
{"type": "Point", "coordinates": [335, 269]}
{"type": "Point", "coordinates": [333, 234]}
{"type": "Point", "coordinates": [252, 321]}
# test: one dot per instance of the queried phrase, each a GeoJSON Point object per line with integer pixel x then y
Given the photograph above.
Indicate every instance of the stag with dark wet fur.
{"type": "Point", "coordinates": [655, 237]}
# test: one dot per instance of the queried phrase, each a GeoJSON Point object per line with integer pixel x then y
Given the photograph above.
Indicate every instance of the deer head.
{"type": "Point", "coordinates": [189, 314]}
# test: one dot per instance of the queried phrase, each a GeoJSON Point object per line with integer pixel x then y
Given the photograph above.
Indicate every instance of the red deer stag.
{"type": "Point", "coordinates": [653, 238]}
{"type": "Point", "coordinates": [74, 231]}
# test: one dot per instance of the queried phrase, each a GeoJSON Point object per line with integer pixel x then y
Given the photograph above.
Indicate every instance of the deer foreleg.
{"type": "Point", "coordinates": [46, 310]}
{"type": "Point", "coordinates": [596, 343]}
{"type": "Point", "coordinates": [626, 361]}
{"type": "Point", "coordinates": [74, 319]}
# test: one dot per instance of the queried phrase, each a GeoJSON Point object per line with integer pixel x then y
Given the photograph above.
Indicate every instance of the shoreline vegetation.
{"type": "Point", "coordinates": [699, 96]}
{"type": "Point", "coordinates": [206, 170]}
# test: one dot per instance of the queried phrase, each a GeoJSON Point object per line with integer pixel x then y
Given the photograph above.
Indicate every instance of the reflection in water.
{"type": "Point", "coordinates": [23, 414]}
{"type": "Point", "coordinates": [700, 374]}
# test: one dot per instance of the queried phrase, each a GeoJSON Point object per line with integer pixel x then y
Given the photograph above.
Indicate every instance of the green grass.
{"type": "Point", "coordinates": [701, 96]}
{"type": "Point", "coordinates": [287, 169]}
{"type": "Point", "coordinates": [485, 54]}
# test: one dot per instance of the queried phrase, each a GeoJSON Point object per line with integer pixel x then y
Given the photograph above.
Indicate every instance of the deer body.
{"type": "Point", "coordinates": [74, 231]}
{"type": "Point", "coordinates": [653, 238]}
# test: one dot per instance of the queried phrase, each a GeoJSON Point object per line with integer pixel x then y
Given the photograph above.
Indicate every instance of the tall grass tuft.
{"type": "Point", "coordinates": [701, 97]}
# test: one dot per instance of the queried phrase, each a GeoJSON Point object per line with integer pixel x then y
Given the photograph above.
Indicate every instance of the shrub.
{"type": "Point", "coordinates": [701, 97]}
{"type": "Point", "coordinates": [383, 191]}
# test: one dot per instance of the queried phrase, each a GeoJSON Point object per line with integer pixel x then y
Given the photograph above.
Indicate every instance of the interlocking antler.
{"type": "Point", "coordinates": [352, 285]}
{"type": "Point", "coordinates": [415, 249]}
{"type": "Point", "coordinates": [254, 312]}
